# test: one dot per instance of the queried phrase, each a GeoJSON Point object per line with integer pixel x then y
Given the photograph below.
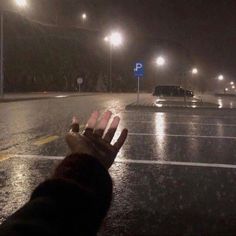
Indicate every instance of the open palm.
{"type": "Point", "coordinates": [94, 141]}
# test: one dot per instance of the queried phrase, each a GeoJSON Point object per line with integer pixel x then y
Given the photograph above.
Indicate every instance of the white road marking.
{"type": "Point", "coordinates": [182, 123]}
{"type": "Point", "coordinates": [39, 157]}
{"type": "Point", "coordinates": [146, 162]}
{"type": "Point", "coordinates": [183, 135]}
{"type": "Point", "coordinates": [187, 115]}
{"type": "Point", "coordinates": [177, 163]}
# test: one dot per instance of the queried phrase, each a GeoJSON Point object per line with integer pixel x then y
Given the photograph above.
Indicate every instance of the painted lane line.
{"type": "Point", "coordinates": [146, 162]}
{"type": "Point", "coordinates": [183, 135]}
{"type": "Point", "coordinates": [4, 157]}
{"type": "Point", "coordinates": [177, 163]}
{"type": "Point", "coordinates": [45, 140]}
{"type": "Point", "coordinates": [40, 157]}
{"type": "Point", "coordinates": [181, 123]}
{"type": "Point", "coordinates": [187, 115]}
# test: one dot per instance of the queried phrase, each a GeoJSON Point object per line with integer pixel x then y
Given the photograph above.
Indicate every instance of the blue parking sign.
{"type": "Point", "coordinates": [139, 69]}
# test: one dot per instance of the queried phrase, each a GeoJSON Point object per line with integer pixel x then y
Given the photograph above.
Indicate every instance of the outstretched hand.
{"type": "Point", "coordinates": [94, 141]}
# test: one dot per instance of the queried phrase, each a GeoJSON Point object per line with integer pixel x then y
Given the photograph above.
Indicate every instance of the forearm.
{"type": "Point", "coordinates": [75, 201]}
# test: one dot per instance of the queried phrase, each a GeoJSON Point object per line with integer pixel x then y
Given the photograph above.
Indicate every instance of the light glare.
{"type": "Point", "coordinates": [160, 61]}
{"type": "Point", "coordinates": [84, 16]}
{"type": "Point", "coordinates": [115, 39]}
{"type": "Point", "coordinates": [106, 39]}
{"type": "Point", "coordinates": [21, 3]}
{"type": "Point", "coordinates": [194, 71]}
{"type": "Point", "coordinates": [220, 77]}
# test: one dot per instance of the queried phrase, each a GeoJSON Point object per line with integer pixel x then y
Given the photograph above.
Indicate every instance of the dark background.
{"type": "Point", "coordinates": [189, 33]}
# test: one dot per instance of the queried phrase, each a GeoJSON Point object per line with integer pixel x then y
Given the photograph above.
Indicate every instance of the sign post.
{"type": "Point", "coordinates": [138, 73]}
{"type": "Point", "coordinates": [79, 82]}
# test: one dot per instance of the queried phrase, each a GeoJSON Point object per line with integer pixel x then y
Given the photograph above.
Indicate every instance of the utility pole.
{"type": "Point", "coordinates": [1, 56]}
{"type": "Point", "coordinates": [110, 67]}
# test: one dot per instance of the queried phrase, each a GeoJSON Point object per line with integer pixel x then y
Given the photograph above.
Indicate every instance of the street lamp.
{"type": "Point", "coordinates": [21, 4]}
{"type": "Point", "coordinates": [220, 77]}
{"type": "Point", "coordinates": [194, 71]}
{"type": "Point", "coordinates": [160, 61]}
{"type": "Point", "coordinates": [84, 16]}
{"type": "Point", "coordinates": [115, 39]}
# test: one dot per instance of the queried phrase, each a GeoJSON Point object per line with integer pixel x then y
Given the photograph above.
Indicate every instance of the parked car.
{"type": "Point", "coordinates": [170, 90]}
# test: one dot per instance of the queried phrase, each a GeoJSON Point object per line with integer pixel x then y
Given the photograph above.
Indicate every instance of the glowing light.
{"type": "Point", "coordinates": [226, 89]}
{"type": "Point", "coordinates": [116, 39]}
{"type": "Point", "coordinates": [159, 105]}
{"type": "Point", "coordinates": [61, 96]}
{"type": "Point", "coordinates": [159, 121]}
{"type": "Point", "coordinates": [220, 77]}
{"type": "Point", "coordinates": [233, 87]}
{"type": "Point", "coordinates": [231, 83]}
{"type": "Point", "coordinates": [194, 71]}
{"type": "Point", "coordinates": [160, 61]}
{"type": "Point", "coordinates": [21, 3]}
{"type": "Point", "coordinates": [106, 39]}
{"type": "Point", "coordinates": [220, 103]}
{"type": "Point", "coordinates": [84, 16]}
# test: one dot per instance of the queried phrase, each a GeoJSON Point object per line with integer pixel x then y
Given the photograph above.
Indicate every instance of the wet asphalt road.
{"type": "Point", "coordinates": [170, 177]}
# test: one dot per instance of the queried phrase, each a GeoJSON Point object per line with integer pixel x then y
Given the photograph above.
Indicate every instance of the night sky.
{"type": "Point", "coordinates": [206, 28]}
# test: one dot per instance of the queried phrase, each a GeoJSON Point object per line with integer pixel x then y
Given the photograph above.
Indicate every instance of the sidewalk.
{"type": "Point", "coordinates": [156, 103]}
{"type": "Point", "coordinates": [14, 97]}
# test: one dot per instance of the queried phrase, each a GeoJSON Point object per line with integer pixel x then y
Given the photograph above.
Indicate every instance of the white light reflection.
{"type": "Point", "coordinates": [191, 147]}
{"type": "Point", "coordinates": [159, 105]}
{"type": "Point", "coordinates": [19, 185]}
{"type": "Point", "coordinates": [160, 127]}
{"type": "Point", "coordinates": [220, 103]}
{"type": "Point", "coordinates": [21, 3]}
{"type": "Point", "coordinates": [61, 96]}
{"type": "Point", "coordinates": [220, 129]}
{"type": "Point", "coordinates": [119, 171]}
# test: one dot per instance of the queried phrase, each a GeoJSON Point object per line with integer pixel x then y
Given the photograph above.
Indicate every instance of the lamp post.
{"type": "Point", "coordinates": [220, 77]}
{"type": "Point", "coordinates": [21, 4]}
{"type": "Point", "coordinates": [115, 40]}
{"type": "Point", "coordinates": [194, 71]}
{"type": "Point", "coordinates": [1, 58]}
{"type": "Point", "coordinates": [160, 61]}
{"type": "Point", "coordinates": [84, 17]}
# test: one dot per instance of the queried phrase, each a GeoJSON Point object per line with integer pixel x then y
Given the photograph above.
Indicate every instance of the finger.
{"type": "Point", "coordinates": [75, 125]}
{"type": "Point", "coordinates": [75, 120]}
{"type": "Point", "coordinates": [112, 129]}
{"type": "Point", "coordinates": [91, 123]}
{"type": "Point", "coordinates": [119, 143]}
{"type": "Point", "coordinates": [103, 124]}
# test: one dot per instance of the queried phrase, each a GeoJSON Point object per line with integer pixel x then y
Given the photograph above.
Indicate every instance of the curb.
{"type": "Point", "coordinates": [7, 100]}
{"type": "Point", "coordinates": [152, 107]}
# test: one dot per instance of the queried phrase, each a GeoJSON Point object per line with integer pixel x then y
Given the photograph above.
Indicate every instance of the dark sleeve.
{"type": "Point", "coordinates": [73, 202]}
